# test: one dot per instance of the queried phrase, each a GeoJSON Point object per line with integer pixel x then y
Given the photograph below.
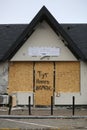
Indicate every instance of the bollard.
{"type": "Point", "coordinates": [29, 105]}
{"type": "Point", "coordinates": [10, 105]}
{"type": "Point", "coordinates": [73, 105]}
{"type": "Point", "coordinates": [51, 105]}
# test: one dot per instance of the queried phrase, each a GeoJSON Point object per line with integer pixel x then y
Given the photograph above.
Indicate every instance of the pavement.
{"type": "Point", "coordinates": [42, 118]}
{"type": "Point", "coordinates": [38, 112]}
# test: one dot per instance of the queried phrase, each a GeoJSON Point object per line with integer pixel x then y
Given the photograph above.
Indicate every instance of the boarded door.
{"type": "Point", "coordinates": [43, 83]}
{"type": "Point", "coordinates": [20, 76]}
{"type": "Point", "coordinates": [67, 77]}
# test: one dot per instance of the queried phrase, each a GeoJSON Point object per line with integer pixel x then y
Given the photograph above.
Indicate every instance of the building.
{"type": "Point", "coordinates": [44, 59]}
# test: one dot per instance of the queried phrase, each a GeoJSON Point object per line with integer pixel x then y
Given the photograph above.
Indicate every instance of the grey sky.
{"type": "Point", "coordinates": [23, 11]}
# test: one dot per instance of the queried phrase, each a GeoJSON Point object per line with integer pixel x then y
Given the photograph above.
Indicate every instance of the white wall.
{"type": "Point", "coordinates": [44, 36]}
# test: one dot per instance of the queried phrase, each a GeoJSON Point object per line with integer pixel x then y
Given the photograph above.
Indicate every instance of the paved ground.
{"type": "Point", "coordinates": [44, 124]}
{"type": "Point", "coordinates": [57, 111]}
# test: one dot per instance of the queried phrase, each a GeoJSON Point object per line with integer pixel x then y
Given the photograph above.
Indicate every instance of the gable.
{"type": "Point", "coordinates": [43, 37]}
{"type": "Point", "coordinates": [9, 47]}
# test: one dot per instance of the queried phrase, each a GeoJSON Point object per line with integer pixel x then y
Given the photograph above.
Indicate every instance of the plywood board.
{"type": "Point", "coordinates": [67, 77]}
{"type": "Point", "coordinates": [43, 83]}
{"type": "Point", "coordinates": [20, 76]}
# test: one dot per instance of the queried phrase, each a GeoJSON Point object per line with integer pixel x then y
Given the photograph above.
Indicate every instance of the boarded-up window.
{"type": "Point", "coordinates": [20, 76]}
{"type": "Point", "coordinates": [67, 77]}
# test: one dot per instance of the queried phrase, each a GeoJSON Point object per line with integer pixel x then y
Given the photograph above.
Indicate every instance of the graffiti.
{"type": "Point", "coordinates": [43, 87]}
{"type": "Point", "coordinates": [42, 82]}
{"type": "Point", "coordinates": [42, 75]}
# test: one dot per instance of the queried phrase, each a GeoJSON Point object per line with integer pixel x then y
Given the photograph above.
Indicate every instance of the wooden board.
{"type": "Point", "coordinates": [43, 83]}
{"type": "Point", "coordinates": [20, 76]}
{"type": "Point", "coordinates": [67, 77]}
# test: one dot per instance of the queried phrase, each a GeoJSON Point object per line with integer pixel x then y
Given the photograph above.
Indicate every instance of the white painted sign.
{"type": "Point", "coordinates": [43, 51]}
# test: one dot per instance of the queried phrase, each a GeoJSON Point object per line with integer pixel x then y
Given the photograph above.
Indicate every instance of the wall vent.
{"type": "Point", "coordinates": [4, 99]}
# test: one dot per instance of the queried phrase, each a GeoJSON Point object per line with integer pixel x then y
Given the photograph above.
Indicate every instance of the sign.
{"type": "Point", "coordinates": [43, 51]}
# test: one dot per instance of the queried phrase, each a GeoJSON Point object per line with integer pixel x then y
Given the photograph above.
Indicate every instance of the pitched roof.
{"type": "Point", "coordinates": [12, 37]}
{"type": "Point", "coordinates": [9, 33]}
{"type": "Point", "coordinates": [78, 33]}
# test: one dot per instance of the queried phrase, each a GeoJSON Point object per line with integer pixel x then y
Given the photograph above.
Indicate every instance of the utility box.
{"type": "Point", "coordinates": [4, 99]}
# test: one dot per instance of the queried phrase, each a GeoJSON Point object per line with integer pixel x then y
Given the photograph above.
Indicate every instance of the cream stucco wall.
{"type": "Point", "coordinates": [44, 36]}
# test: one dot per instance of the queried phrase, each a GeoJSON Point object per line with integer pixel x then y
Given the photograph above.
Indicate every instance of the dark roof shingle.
{"type": "Point", "coordinates": [78, 33]}
{"type": "Point", "coordinates": [8, 35]}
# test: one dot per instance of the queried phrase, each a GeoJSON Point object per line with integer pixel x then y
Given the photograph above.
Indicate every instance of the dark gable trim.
{"type": "Point", "coordinates": [43, 14]}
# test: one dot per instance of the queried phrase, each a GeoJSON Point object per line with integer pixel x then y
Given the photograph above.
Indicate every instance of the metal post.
{"type": "Point", "coordinates": [10, 105]}
{"type": "Point", "coordinates": [51, 105]}
{"type": "Point", "coordinates": [73, 105]}
{"type": "Point", "coordinates": [29, 105]}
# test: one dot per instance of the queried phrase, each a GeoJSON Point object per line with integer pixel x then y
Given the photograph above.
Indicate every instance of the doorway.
{"type": "Point", "coordinates": [44, 84]}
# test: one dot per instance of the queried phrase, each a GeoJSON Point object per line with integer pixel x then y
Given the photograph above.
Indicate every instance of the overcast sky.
{"type": "Point", "coordinates": [23, 11]}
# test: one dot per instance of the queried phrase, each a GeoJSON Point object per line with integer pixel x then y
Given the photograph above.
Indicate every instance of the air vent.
{"type": "Point", "coordinates": [4, 99]}
{"type": "Point", "coordinates": [1, 99]}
